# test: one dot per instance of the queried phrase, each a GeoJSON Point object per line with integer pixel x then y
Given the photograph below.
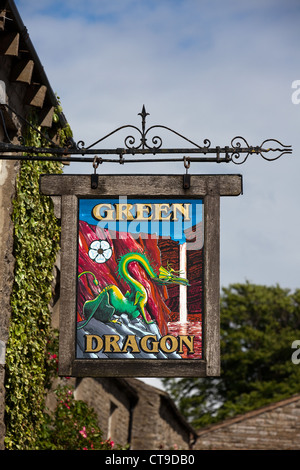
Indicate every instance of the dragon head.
{"type": "Point", "coordinates": [170, 276]}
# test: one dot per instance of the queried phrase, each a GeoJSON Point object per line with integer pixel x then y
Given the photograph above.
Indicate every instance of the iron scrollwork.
{"type": "Point", "coordinates": [238, 151]}
{"type": "Point", "coordinates": [246, 150]}
{"type": "Point", "coordinates": [143, 146]}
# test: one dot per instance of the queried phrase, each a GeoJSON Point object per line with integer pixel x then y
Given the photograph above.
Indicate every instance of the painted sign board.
{"type": "Point", "coordinates": [134, 296]}
{"type": "Point", "coordinates": [140, 274]}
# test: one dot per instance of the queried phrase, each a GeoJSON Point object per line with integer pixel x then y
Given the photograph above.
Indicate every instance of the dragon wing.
{"type": "Point", "coordinates": [99, 308]}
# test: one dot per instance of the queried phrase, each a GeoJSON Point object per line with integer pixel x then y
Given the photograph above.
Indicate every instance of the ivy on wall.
{"type": "Point", "coordinates": [36, 243]}
{"type": "Point", "coordinates": [31, 354]}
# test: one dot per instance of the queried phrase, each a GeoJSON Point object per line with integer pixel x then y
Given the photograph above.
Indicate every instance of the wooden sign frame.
{"type": "Point", "coordinates": [207, 188]}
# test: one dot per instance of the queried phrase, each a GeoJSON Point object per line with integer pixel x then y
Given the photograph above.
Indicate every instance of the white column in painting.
{"type": "Point", "coordinates": [182, 289]}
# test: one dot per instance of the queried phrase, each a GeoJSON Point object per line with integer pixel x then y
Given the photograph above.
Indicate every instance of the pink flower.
{"type": "Point", "coordinates": [83, 432]}
{"type": "Point", "coordinates": [110, 442]}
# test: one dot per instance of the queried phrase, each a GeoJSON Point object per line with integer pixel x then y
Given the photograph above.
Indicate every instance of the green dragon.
{"type": "Point", "coordinates": [111, 301]}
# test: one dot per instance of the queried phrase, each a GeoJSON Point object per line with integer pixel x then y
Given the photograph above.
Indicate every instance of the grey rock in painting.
{"type": "Point", "coordinates": [121, 327]}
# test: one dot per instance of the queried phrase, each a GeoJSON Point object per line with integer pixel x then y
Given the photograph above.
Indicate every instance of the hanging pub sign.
{"type": "Point", "coordinates": [140, 274]}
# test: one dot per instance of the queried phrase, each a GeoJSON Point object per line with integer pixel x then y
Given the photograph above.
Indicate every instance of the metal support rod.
{"type": "Point", "coordinates": [9, 148]}
{"type": "Point", "coordinates": [237, 153]}
{"type": "Point", "coordinates": [105, 160]}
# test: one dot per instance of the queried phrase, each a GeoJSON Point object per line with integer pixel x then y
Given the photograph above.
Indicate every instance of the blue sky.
{"type": "Point", "coordinates": [207, 69]}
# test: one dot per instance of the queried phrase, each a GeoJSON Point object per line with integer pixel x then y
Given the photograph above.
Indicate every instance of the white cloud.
{"type": "Point", "coordinates": [208, 69]}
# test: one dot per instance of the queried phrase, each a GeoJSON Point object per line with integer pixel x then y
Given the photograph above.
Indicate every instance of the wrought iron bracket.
{"type": "Point", "coordinates": [237, 152]}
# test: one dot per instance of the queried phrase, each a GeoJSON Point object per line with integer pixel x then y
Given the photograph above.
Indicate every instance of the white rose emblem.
{"type": "Point", "coordinates": [100, 251]}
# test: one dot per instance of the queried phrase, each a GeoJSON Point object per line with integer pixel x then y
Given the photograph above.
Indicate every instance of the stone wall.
{"type": "Point", "coordinates": [7, 190]}
{"type": "Point", "coordinates": [112, 400]}
{"type": "Point", "coordinates": [175, 436]}
{"type": "Point", "coordinates": [8, 173]}
{"type": "Point", "coordinates": [157, 424]}
{"type": "Point", "coordinates": [131, 411]}
{"type": "Point", "coordinates": [274, 427]}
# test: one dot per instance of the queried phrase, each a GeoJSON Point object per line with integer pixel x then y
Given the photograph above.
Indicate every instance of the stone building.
{"type": "Point", "coordinates": [131, 411]}
{"type": "Point", "coordinates": [272, 427]}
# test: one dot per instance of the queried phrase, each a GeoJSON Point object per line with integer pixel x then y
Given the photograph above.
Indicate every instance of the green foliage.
{"type": "Point", "coordinates": [32, 350]}
{"type": "Point", "coordinates": [73, 426]}
{"type": "Point", "coordinates": [36, 243]}
{"type": "Point", "coordinates": [258, 327]}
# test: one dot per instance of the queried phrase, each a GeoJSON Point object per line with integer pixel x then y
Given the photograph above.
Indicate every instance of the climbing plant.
{"type": "Point", "coordinates": [36, 243]}
{"type": "Point", "coordinates": [72, 426]}
{"type": "Point", "coordinates": [32, 349]}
